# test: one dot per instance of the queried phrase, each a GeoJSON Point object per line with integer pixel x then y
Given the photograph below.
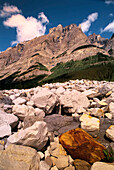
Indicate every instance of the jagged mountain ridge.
{"type": "Point", "coordinates": [97, 40]}
{"type": "Point", "coordinates": [36, 57]}
{"type": "Point", "coordinates": [109, 46]}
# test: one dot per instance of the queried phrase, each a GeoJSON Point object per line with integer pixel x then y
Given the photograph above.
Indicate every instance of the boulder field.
{"type": "Point", "coordinates": [59, 126]}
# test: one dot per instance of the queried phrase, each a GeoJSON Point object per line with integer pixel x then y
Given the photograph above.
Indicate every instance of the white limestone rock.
{"type": "Point", "coordinates": [102, 166]}
{"type": "Point", "coordinates": [10, 119]}
{"type": "Point", "coordinates": [62, 162]}
{"type": "Point", "coordinates": [17, 157]}
{"type": "Point", "coordinates": [5, 129]}
{"type": "Point", "coordinates": [19, 101]}
{"type": "Point", "coordinates": [44, 166]}
{"type": "Point", "coordinates": [35, 136]}
{"type": "Point", "coordinates": [110, 132]}
{"type": "Point", "coordinates": [89, 123]}
{"type": "Point", "coordinates": [108, 115]}
{"type": "Point", "coordinates": [21, 111]}
{"type": "Point", "coordinates": [45, 100]}
{"type": "Point", "coordinates": [111, 108]}
{"type": "Point", "coordinates": [73, 100]}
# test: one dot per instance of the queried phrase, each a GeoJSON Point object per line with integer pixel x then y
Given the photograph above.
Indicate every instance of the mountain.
{"type": "Point", "coordinates": [97, 40]}
{"type": "Point", "coordinates": [32, 61]}
{"type": "Point", "coordinates": [109, 46]}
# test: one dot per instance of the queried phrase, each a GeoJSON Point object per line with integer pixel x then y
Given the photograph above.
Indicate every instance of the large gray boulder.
{"type": "Point", "coordinates": [46, 100]}
{"type": "Point", "coordinates": [60, 124]}
{"type": "Point", "coordinates": [5, 99]}
{"type": "Point", "coordinates": [35, 136]}
{"type": "Point", "coordinates": [17, 157]}
{"type": "Point", "coordinates": [73, 100]}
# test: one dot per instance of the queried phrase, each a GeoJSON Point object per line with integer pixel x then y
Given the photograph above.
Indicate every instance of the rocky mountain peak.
{"type": "Point", "coordinates": [112, 36]}
{"type": "Point", "coordinates": [97, 40]}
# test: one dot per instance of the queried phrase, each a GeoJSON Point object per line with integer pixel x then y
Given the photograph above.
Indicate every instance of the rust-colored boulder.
{"type": "Point", "coordinates": [81, 145]}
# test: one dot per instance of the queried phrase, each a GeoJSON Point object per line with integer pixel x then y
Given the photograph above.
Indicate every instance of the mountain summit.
{"type": "Point", "coordinates": [35, 58]}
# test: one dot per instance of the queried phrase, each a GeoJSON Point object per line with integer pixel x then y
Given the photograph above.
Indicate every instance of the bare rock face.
{"type": "Point", "coordinates": [81, 145]}
{"type": "Point", "coordinates": [16, 157]}
{"type": "Point", "coordinates": [97, 40]}
{"type": "Point", "coordinates": [110, 45]}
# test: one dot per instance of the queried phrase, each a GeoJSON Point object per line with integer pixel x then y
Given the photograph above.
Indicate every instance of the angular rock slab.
{"type": "Point", "coordinates": [10, 119]}
{"type": "Point", "coordinates": [35, 136]}
{"type": "Point", "coordinates": [5, 129]}
{"type": "Point", "coordinates": [90, 124]}
{"type": "Point", "coordinates": [73, 100]}
{"type": "Point", "coordinates": [102, 166]}
{"type": "Point", "coordinates": [45, 100]}
{"type": "Point", "coordinates": [19, 101]}
{"type": "Point", "coordinates": [111, 108]}
{"type": "Point", "coordinates": [110, 132]}
{"type": "Point", "coordinates": [81, 145]}
{"type": "Point", "coordinates": [21, 111]}
{"type": "Point", "coordinates": [17, 157]}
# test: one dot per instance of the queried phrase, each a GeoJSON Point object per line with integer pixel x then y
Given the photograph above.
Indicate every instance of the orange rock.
{"type": "Point", "coordinates": [81, 145]}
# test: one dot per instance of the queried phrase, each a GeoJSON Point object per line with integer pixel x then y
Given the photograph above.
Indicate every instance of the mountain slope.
{"type": "Point", "coordinates": [32, 60]}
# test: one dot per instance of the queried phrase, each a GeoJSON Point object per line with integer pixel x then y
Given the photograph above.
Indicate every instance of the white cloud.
{"type": "Point", "coordinates": [85, 25]}
{"type": "Point", "coordinates": [109, 2]}
{"type": "Point", "coordinates": [8, 10]}
{"type": "Point", "coordinates": [27, 28]}
{"type": "Point", "coordinates": [111, 15]}
{"type": "Point", "coordinates": [108, 28]}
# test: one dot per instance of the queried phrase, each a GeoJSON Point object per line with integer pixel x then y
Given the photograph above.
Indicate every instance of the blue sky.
{"type": "Point", "coordinates": [21, 20]}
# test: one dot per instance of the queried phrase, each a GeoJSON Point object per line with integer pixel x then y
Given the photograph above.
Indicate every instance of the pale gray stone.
{"type": "Point", "coordinates": [35, 136]}
{"type": "Point", "coordinates": [44, 166]}
{"type": "Point", "coordinates": [17, 157]}
{"type": "Point", "coordinates": [19, 101]}
{"type": "Point", "coordinates": [72, 100]}
{"type": "Point", "coordinates": [102, 166]}
{"type": "Point", "coordinates": [110, 132]}
{"type": "Point", "coordinates": [21, 111]}
{"type": "Point", "coordinates": [111, 108]}
{"type": "Point", "coordinates": [62, 162]}
{"type": "Point", "coordinates": [5, 129]}
{"type": "Point", "coordinates": [10, 119]}
{"type": "Point", "coordinates": [45, 100]}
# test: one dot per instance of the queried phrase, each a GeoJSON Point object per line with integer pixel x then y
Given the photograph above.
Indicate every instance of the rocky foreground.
{"type": "Point", "coordinates": [64, 126]}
